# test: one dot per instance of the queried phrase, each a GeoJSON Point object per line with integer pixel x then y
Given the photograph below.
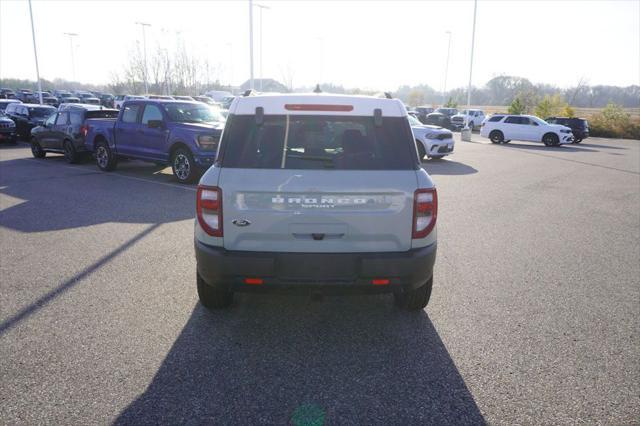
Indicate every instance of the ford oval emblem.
{"type": "Point", "coordinates": [241, 222]}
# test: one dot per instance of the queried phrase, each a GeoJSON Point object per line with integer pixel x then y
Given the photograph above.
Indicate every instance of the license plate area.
{"type": "Point", "coordinates": [313, 267]}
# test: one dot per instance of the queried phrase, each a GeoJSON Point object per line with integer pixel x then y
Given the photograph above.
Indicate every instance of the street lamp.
{"type": "Point", "coordinates": [144, 46]}
{"type": "Point", "coordinates": [35, 53]}
{"type": "Point", "coordinates": [466, 132]}
{"type": "Point", "coordinates": [73, 61]}
{"type": "Point", "coordinates": [446, 70]}
{"type": "Point", "coordinates": [261, 8]}
{"type": "Point", "coordinates": [251, 44]}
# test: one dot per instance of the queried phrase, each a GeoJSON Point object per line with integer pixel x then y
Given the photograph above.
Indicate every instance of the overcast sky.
{"type": "Point", "coordinates": [367, 44]}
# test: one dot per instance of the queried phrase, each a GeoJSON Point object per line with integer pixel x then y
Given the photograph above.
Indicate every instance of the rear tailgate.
{"type": "Point", "coordinates": [323, 211]}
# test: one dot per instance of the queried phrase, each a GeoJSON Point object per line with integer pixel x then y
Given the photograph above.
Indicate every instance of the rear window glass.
{"type": "Point", "coordinates": [318, 142]}
{"type": "Point", "coordinates": [496, 118]}
{"type": "Point", "coordinates": [102, 114]}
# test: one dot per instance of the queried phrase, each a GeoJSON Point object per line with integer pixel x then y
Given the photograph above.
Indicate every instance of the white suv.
{"type": "Point", "coordinates": [432, 141]}
{"type": "Point", "coordinates": [316, 193]}
{"type": "Point", "coordinates": [475, 117]}
{"type": "Point", "coordinates": [502, 128]}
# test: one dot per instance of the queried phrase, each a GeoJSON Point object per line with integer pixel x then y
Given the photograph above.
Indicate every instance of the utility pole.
{"type": "Point", "coordinates": [73, 61]}
{"type": "Point", "coordinates": [251, 44]}
{"type": "Point", "coordinates": [35, 53]}
{"type": "Point", "coordinates": [466, 132]}
{"type": "Point", "coordinates": [446, 70]}
{"type": "Point", "coordinates": [144, 46]}
{"type": "Point", "coordinates": [261, 8]}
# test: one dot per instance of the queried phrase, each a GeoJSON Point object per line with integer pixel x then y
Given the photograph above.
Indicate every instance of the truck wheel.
{"type": "Point", "coordinates": [104, 157]}
{"type": "Point", "coordinates": [70, 153]}
{"type": "Point", "coordinates": [213, 297]}
{"type": "Point", "coordinates": [550, 139]}
{"type": "Point", "coordinates": [36, 149]}
{"type": "Point", "coordinates": [496, 136]}
{"type": "Point", "coordinates": [414, 299]}
{"type": "Point", "coordinates": [421, 151]}
{"type": "Point", "coordinates": [183, 165]}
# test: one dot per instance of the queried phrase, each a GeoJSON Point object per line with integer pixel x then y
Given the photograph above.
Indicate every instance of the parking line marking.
{"type": "Point", "coordinates": [97, 173]}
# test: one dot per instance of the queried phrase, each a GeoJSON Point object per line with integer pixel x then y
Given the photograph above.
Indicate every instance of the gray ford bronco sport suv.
{"type": "Point", "coordinates": [316, 192]}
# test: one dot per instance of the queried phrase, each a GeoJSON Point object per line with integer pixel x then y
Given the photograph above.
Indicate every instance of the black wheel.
{"type": "Point", "coordinates": [70, 153]}
{"type": "Point", "coordinates": [421, 151]}
{"type": "Point", "coordinates": [496, 136]}
{"type": "Point", "coordinates": [36, 149]}
{"type": "Point", "coordinates": [550, 139]}
{"type": "Point", "coordinates": [415, 299]}
{"type": "Point", "coordinates": [105, 159]}
{"type": "Point", "coordinates": [577, 140]}
{"type": "Point", "coordinates": [471, 125]}
{"type": "Point", "coordinates": [212, 297]}
{"type": "Point", "coordinates": [183, 165]}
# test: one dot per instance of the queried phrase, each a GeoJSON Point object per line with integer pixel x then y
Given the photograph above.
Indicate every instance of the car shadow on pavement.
{"type": "Point", "coordinates": [283, 359]}
{"type": "Point", "coordinates": [540, 147]}
{"type": "Point", "coordinates": [447, 167]}
{"type": "Point", "coordinates": [34, 192]}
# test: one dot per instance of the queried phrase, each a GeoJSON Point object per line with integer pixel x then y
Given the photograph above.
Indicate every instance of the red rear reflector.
{"type": "Point", "coordinates": [380, 281]}
{"type": "Point", "coordinates": [317, 107]}
{"type": "Point", "coordinates": [253, 281]}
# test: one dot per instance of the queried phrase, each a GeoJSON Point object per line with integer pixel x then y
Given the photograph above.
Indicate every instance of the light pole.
{"type": "Point", "coordinates": [446, 70]}
{"type": "Point", "coordinates": [251, 44]}
{"type": "Point", "coordinates": [466, 132]}
{"type": "Point", "coordinates": [230, 66]}
{"type": "Point", "coordinates": [144, 46]}
{"type": "Point", "coordinates": [261, 8]}
{"type": "Point", "coordinates": [35, 53]}
{"type": "Point", "coordinates": [73, 61]}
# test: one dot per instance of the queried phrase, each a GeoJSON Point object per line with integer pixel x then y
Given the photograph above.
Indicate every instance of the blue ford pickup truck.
{"type": "Point", "coordinates": [182, 134]}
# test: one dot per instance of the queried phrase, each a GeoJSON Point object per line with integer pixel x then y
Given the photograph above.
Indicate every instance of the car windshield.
{"type": "Point", "coordinates": [41, 112]}
{"type": "Point", "coordinates": [414, 121]}
{"type": "Point", "coordinates": [193, 113]}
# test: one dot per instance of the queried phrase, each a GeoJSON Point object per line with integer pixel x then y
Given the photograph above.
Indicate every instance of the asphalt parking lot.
{"type": "Point", "coordinates": [534, 316]}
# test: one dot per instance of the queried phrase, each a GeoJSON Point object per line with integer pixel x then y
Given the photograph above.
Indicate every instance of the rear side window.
{"type": "Point", "coordinates": [130, 114]}
{"type": "Point", "coordinates": [496, 118]}
{"type": "Point", "coordinates": [63, 119]}
{"type": "Point", "coordinates": [76, 118]}
{"type": "Point", "coordinates": [516, 120]}
{"type": "Point", "coordinates": [318, 142]}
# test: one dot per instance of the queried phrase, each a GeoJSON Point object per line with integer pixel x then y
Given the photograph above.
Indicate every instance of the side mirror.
{"type": "Point", "coordinates": [155, 124]}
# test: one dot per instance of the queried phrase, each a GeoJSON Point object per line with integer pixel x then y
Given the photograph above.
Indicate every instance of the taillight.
{"type": "Point", "coordinates": [84, 130]}
{"type": "Point", "coordinates": [209, 209]}
{"type": "Point", "coordinates": [425, 211]}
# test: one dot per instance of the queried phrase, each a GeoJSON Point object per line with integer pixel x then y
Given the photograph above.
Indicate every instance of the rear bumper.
{"type": "Point", "coordinates": [340, 272]}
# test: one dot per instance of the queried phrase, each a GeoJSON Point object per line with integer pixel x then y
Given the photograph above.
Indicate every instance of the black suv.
{"type": "Point", "coordinates": [579, 126]}
{"type": "Point", "coordinates": [6, 93]}
{"type": "Point", "coordinates": [65, 131]}
{"type": "Point", "coordinates": [28, 116]}
{"type": "Point", "coordinates": [7, 129]}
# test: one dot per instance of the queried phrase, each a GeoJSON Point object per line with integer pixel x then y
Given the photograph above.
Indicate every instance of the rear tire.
{"type": "Point", "coordinates": [183, 165]}
{"type": "Point", "coordinates": [421, 150]}
{"type": "Point", "coordinates": [212, 297]}
{"type": "Point", "coordinates": [70, 153]}
{"type": "Point", "coordinates": [414, 299]}
{"type": "Point", "coordinates": [105, 159]}
{"type": "Point", "coordinates": [36, 149]}
{"type": "Point", "coordinates": [496, 136]}
{"type": "Point", "coordinates": [550, 139]}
